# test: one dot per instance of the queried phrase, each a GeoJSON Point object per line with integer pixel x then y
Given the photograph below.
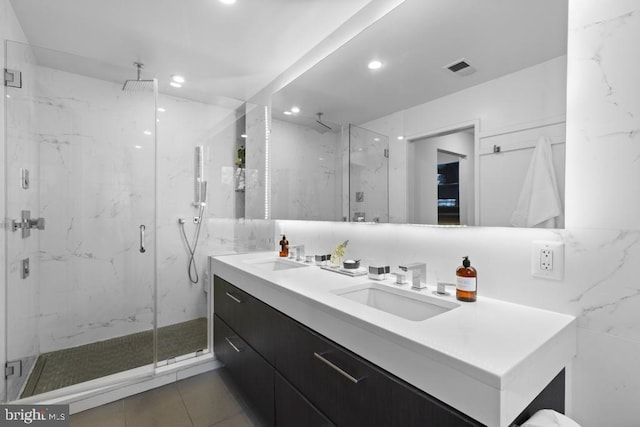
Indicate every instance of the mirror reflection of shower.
{"type": "Point", "coordinates": [200, 202]}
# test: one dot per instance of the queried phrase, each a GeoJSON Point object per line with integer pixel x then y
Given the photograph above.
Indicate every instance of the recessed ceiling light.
{"type": "Point", "coordinates": [137, 146]}
{"type": "Point", "coordinates": [228, 1]}
{"type": "Point", "coordinates": [162, 110]}
{"type": "Point", "coordinates": [400, 138]}
{"type": "Point", "coordinates": [147, 132]}
{"type": "Point", "coordinates": [174, 84]}
{"type": "Point", "coordinates": [295, 110]}
{"type": "Point", "coordinates": [376, 139]}
{"type": "Point", "coordinates": [374, 65]}
{"type": "Point", "coordinates": [178, 79]}
{"type": "Point", "coordinates": [288, 113]}
{"type": "Point", "coordinates": [243, 136]}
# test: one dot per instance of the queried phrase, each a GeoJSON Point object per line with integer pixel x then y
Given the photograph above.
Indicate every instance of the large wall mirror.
{"type": "Point", "coordinates": [462, 121]}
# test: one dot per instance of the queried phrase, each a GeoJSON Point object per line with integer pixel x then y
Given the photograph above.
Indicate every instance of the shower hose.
{"type": "Point", "coordinates": [192, 269]}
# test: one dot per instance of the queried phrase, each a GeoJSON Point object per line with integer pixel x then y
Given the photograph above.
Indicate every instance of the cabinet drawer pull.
{"type": "Point", "coordinates": [237, 349]}
{"type": "Point", "coordinates": [338, 369]}
{"type": "Point", "coordinates": [233, 297]}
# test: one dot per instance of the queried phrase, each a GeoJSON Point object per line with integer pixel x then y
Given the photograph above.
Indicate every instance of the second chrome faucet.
{"type": "Point", "coordinates": [417, 272]}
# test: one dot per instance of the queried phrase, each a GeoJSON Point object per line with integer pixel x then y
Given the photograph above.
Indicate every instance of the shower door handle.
{"type": "Point", "coordinates": [142, 249]}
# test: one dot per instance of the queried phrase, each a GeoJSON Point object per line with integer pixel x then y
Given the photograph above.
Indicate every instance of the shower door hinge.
{"type": "Point", "coordinates": [11, 369]}
{"type": "Point", "coordinates": [12, 78]}
{"type": "Point", "coordinates": [386, 153]}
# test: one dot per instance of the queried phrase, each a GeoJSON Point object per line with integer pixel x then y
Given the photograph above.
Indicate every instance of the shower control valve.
{"type": "Point", "coordinates": [26, 223]}
{"type": "Point", "coordinates": [196, 219]}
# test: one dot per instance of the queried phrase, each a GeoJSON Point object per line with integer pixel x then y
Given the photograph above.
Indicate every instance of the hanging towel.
{"type": "Point", "coordinates": [539, 203]}
{"type": "Point", "coordinates": [549, 418]}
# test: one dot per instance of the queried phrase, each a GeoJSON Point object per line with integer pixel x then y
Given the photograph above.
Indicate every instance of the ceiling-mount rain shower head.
{"type": "Point", "coordinates": [138, 84]}
{"type": "Point", "coordinates": [323, 127]}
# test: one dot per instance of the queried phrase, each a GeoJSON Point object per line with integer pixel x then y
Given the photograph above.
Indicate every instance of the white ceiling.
{"type": "Point", "coordinates": [415, 40]}
{"type": "Point", "coordinates": [222, 50]}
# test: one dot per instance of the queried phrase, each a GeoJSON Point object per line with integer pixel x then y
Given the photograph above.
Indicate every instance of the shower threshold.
{"type": "Point", "coordinates": [63, 368]}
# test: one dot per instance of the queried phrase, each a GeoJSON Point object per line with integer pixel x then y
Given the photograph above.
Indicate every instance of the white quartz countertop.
{"type": "Point", "coordinates": [492, 344]}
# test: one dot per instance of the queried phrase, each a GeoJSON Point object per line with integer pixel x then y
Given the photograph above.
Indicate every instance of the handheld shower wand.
{"type": "Point", "coordinates": [199, 201]}
{"type": "Point", "coordinates": [200, 185]}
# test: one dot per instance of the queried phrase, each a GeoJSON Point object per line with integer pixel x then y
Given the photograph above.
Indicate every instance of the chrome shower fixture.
{"type": "Point", "coordinates": [139, 84]}
{"type": "Point", "coordinates": [200, 185]}
{"type": "Point", "coordinates": [320, 125]}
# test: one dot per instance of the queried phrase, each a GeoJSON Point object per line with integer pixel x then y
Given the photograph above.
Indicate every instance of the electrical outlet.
{"type": "Point", "coordinates": [547, 260]}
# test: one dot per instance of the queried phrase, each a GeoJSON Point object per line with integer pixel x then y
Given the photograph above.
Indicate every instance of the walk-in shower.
{"type": "Point", "coordinates": [85, 299]}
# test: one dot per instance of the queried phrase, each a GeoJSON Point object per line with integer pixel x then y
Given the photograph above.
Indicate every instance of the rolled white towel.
{"type": "Point", "coordinates": [549, 418]}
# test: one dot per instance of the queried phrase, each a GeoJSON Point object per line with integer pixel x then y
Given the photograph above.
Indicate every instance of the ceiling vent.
{"type": "Point", "coordinates": [460, 68]}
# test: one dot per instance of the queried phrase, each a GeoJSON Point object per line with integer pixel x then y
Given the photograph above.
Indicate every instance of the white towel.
{"type": "Point", "coordinates": [539, 203]}
{"type": "Point", "coordinates": [549, 418]}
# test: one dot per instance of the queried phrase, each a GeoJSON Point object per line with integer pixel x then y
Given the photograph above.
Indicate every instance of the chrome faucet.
{"type": "Point", "coordinates": [298, 250]}
{"type": "Point", "coordinates": [418, 272]}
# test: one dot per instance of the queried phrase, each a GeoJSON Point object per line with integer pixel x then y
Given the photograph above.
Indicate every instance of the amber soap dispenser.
{"type": "Point", "coordinates": [466, 281]}
{"type": "Point", "coordinates": [284, 247]}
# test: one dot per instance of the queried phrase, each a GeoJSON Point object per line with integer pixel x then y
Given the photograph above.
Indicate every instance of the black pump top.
{"type": "Point", "coordinates": [466, 262]}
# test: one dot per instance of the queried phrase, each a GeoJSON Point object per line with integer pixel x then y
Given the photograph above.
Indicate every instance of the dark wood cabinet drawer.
{"type": "Point", "coordinates": [293, 409]}
{"type": "Point", "coordinates": [411, 407]}
{"type": "Point", "coordinates": [250, 371]}
{"type": "Point", "coordinates": [349, 390]}
{"type": "Point", "coordinates": [252, 319]}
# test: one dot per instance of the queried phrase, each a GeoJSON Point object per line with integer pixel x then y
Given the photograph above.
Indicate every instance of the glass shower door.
{"type": "Point", "coordinates": [368, 175]}
{"type": "Point", "coordinates": [80, 178]}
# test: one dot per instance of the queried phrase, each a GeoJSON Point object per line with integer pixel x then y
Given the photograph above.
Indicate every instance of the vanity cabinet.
{"type": "Point", "coordinates": [293, 409]}
{"type": "Point", "coordinates": [252, 373]}
{"type": "Point", "coordinates": [349, 390]}
{"type": "Point", "coordinates": [249, 317]}
{"type": "Point", "coordinates": [296, 377]}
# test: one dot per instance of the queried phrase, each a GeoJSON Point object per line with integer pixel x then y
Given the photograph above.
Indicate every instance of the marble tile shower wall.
{"type": "Point", "coordinates": [305, 163]}
{"type": "Point", "coordinates": [97, 185]}
{"type": "Point", "coordinates": [184, 125]}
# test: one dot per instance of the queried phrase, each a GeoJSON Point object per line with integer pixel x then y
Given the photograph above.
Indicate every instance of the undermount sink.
{"type": "Point", "coordinates": [275, 264]}
{"type": "Point", "coordinates": [399, 302]}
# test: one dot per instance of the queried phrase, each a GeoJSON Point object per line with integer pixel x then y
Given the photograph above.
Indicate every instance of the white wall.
{"type": "Point", "coordinates": [513, 101]}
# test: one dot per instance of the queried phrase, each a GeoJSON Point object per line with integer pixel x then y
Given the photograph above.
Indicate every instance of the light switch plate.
{"type": "Point", "coordinates": [547, 259]}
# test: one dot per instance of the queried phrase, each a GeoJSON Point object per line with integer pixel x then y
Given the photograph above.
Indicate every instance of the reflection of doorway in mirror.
{"type": "Point", "coordinates": [440, 178]}
{"type": "Point", "coordinates": [448, 179]}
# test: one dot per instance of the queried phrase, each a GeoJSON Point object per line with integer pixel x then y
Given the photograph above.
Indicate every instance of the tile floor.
{"type": "Point", "coordinates": [208, 399]}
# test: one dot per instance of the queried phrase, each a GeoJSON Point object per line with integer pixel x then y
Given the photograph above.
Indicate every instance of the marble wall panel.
{"type": "Point", "coordinates": [305, 172]}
